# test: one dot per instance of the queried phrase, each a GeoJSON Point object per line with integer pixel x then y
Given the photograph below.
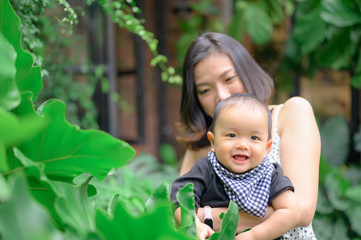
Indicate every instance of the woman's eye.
{"type": "Point", "coordinates": [230, 78]}
{"type": "Point", "coordinates": [203, 91]}
{"type": "Point", "coordinates": [254, 138]}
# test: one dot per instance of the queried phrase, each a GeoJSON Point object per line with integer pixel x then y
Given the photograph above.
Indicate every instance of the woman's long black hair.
{"type": "Point", "coordinates": [194, 122]}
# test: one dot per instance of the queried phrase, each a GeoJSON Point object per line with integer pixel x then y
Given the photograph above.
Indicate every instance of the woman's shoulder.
{"type": "Point", "coordinates": [296, 106]}
{"type": "Point", "coordinates": [295, 110]}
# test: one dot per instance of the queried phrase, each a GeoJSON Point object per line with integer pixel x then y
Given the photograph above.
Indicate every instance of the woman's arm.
{"type": "Point", "coordinates": [245, 220]}
{"type": "Point", "coordinates": [300, 149]}
{"type": "Point", "coordinates": [285, 217]}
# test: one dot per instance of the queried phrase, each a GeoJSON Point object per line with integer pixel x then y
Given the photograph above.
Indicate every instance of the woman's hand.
{"type": "Point", "coordinates": [245, 236]}
{"type": "Point", "coordinates": [245, 221]}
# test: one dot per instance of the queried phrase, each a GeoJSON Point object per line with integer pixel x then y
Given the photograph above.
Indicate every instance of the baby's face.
{"type": "Point", "coordinates": [240, 138]}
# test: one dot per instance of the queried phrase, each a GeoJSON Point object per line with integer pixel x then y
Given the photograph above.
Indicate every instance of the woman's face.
{"type": "Point", "coordinates": [216, 79]}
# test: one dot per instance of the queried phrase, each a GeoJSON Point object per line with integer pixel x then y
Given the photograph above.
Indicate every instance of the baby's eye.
{"type": "Point", "coordinates": [254, 138]}
{"type": "Point", "coordinates": [231, 135]}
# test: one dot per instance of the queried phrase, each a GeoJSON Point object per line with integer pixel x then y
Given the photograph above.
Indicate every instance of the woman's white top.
{"type": "Point", "coordinates": [275, 156]}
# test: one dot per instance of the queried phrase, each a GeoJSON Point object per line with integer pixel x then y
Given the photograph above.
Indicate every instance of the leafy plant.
{"type": "Point", "coordinates": [57, 180]}
{"type": "Point", "coordinates": [327, 35]}
{"type": "Point", "coordinates": [338, 206]}
{"type": "Point", "coordinates": [58, 34]}
{"type": "Point", "coordinates": [250, 18]}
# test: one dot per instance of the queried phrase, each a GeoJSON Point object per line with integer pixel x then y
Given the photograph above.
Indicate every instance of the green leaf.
{"type": "Point", "coordinates": [338, 50]}
{"type": "Point", "coordinates": [21, 217]}
{"type": "Point", "coordinates": [323, 206]}
{"type": "Point", "coordinates": [68, 151]}
{"type": "Point", "coordinates": [16, 129]}
{"type": "Point", "coordinates": [356, 81]}
{"type": "Point", "coordinates": [185, 197]}
{"type": "Point", "coordinates": [339, 13]}
{"type": "Point", "coordinates": [354, 193]}
{"type": "Point", "coordinates": [358, 63]}
{"type": "Point", "coordinates": [168, 154]}
{"type": "Point", "coordinates": [42, 189]}
{"type": "Point", "coordinates": [276, 11]}
{"type": "Point", "coordinates": [236, 28]}
{"type": "Point", "coordinates": [160, 196]}
{"type": "Point", "coordinates": [28, 78]}
{"type": "Point", "coordinates": [354, 215]}
{"type": "Point", "coordinates": [9, 93]}
{"type": "Point", "coordinates": [357, 139]}
{"type": "Point", "coordinates": [5, 193]}
{"type": "Point", "coordinates": [112, 204]}
{"type": "Point", "coordinates": [75, 208]}
{"type": "Point", "coordinates": [259, 25]}
{"type": "Point", "coordinates": [323, 227]}
{"type": "Point", "coordinates": [4, 167]}
{"type": "Point", "coordinates": [229, 223]}
{"type": "Point", "coordinates": [335, 192]}
{"type": "Point", "coordinates": [153, 225]}
{"type": "Point", "coordinates": [335, 140]}
{"type": "Point", "coordinates": [309, 31]}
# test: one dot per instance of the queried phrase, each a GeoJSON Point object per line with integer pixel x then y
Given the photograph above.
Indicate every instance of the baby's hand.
{"type": "Point", "coordinates": [203, 231]}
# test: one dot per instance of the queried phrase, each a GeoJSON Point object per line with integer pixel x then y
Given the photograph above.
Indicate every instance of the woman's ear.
{"type": "Point", "coordinates": [210, 137]}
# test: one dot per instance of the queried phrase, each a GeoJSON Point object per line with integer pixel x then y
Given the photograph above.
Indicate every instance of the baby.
{"type": "Point", "coordinates": [237, 168]}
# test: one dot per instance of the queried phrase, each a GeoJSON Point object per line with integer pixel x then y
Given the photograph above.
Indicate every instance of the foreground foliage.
{"type": "Point", "coordinates": [60, 182]}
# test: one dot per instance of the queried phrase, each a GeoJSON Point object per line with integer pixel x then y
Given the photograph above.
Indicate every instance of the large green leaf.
{"type": "Point", "coordinates": [15, 129]}
{"type": "Point", "coordinates": [68, 151]}
{"type": "Point", "coordinates": [28, 78]}
{"type": "Point", "coordinates": [336, 188]}
{"type": "Point", "coordinates": [160, 195]}
{"type": "Point", "coordinates": [309, 31]}
{"type": "Point", "coordinates": [153, 225]}
{"type": "Point", "coordinates": [259, 24]}
{"type": "Point", "coordinates": [236, 28]}
{"type": "Point", "coordinates": [356, 81]}
{"type": "Point", "coordinates": [9, 93]}
{"type": "Point", "coordinates": [74, 207]}
{"type": "Point", "coordinates": [22, 217]}
{"type": "Point", "coordinates": [339, 13]}
{"type": "Point", "coordinates": [5, 192]}
{"type": "Point", "coordinates": [354, 193]}
{"type": "Point", "coordinates": [185, 197]}
{"type": "Point", "coordinates": [327, 228]}
{"type": "Point", "coordinates": [338, 50]}
{"type": "Point", "coordinates": [41, 188]}
{"type": "Point", "coordinates": [335, 140]}
{"type": "Point", "coordinates": [229, 223]}
{"type": "Point", "coordinates": [354, 214]}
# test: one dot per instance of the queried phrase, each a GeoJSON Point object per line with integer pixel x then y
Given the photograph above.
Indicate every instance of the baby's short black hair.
{"type": "Point", "coordinates": [242, 100]}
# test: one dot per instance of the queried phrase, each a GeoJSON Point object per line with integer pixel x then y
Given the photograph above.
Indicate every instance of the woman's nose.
{"type": "Point", "coordinates": [222, 93]}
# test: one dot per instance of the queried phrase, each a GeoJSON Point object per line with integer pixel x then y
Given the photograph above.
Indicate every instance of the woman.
{"type": "Point", "coordinates": [215, 67]}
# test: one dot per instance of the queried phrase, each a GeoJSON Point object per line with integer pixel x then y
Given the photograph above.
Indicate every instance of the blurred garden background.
{"type": "Point", "coordinates": [90, 95]}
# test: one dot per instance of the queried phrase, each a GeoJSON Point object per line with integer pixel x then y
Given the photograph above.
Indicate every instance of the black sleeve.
{"type": "Point", "coordinates": [198, 175]}
{"type": "Point", "coordinates": [279, 183]}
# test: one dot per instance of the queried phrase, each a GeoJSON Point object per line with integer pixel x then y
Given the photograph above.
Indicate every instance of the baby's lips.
{"type": "Point", "coordinates": [240, 157]}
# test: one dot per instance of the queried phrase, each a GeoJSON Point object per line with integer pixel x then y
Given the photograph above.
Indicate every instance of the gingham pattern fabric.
{"type": "Point", "coordinates": [250, 191]}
